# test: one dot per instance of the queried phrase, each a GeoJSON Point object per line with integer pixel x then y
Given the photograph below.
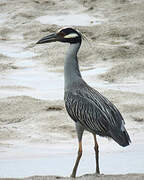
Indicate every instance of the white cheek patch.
{"type": "Point", "coordinates": [72, 35]}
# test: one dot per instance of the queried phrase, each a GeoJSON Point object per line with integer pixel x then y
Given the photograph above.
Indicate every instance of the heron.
{"type": "Point", "coordinates": [89, 109]}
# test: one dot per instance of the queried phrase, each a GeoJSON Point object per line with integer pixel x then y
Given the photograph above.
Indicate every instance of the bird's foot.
{"type": "Point", "coordinates": [97, 174]}
{"type": "Point", "coordinates": [72, 176]}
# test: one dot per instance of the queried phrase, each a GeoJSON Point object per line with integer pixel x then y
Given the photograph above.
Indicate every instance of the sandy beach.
{"type": "Point", "coordinates": [37, 137]}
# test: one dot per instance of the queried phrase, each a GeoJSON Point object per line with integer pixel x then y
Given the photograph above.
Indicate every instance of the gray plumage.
{"type": "Point", "coordinates": [88, 107]}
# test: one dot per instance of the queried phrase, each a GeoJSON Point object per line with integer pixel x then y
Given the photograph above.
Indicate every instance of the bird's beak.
{"type": "Point", "coordinates": [50, 38]}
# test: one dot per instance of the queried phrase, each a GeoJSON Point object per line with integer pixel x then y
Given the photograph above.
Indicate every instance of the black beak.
{"type": "Point", "coordinates": [50, 38]}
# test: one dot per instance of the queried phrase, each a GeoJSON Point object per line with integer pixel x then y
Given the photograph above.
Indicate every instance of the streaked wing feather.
{"type": "Point", "coordinates": [87, 113]}
{"type": "Point", "coordinates": [92, 110]}
{"type": "Point", "coordinates": [114, 116]}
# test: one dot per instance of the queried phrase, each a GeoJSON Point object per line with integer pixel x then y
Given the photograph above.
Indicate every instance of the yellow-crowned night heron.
{"type": "Point", "coordinates": [87, 107]}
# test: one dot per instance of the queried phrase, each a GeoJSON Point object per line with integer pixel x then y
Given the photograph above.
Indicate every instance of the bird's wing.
{"type": "Point", "coordinates": [87, 113]}
{"type": "Point", "coordinates": [104, 104]}
{"type": "Point", "coordinates": [93, 110]}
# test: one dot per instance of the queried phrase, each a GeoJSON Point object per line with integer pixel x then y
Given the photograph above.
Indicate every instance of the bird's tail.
{"type": "Point", "coordinates": [121, 136]}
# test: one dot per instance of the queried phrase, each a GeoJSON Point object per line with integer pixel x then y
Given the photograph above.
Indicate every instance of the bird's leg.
{"type": "Point", "coordinates": [77, 160]}
{"type": "Point", "coordinates": [80, 131]}
{"type": "Point", "coordinates": [96, 148]}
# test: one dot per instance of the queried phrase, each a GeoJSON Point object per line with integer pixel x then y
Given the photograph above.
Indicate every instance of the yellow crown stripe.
{"type": "Point", "coordinates": [72, 35]}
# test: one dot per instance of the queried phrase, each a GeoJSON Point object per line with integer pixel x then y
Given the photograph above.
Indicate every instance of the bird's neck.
{"type": "Point", "coordinates": [71, 66]}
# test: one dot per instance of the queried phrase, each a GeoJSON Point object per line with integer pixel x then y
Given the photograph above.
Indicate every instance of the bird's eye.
{"type": "Point", "coordinates": [71, 35]}
{"type": "Point", "coordinates": [61, 33]}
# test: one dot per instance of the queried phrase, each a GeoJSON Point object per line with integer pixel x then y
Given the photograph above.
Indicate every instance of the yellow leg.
{"type": "Point", "coordinates": [77, 160]}
{"type": "Point", "coordinates": [96, 148]}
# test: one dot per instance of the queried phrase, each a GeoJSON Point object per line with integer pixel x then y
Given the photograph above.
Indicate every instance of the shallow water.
{"type": "Point", "coordinates": [15, 50]}
{"type": "Point", "coordinates": [70, 20]}
{"type": "Point", "coordinates": [34, 80]}
{"type": "Point", "coordinates": [2, 18]}
{"type": "Point", "coordinates": [59, 160]}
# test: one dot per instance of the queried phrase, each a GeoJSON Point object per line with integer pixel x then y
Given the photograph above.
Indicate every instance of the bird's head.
{"type": "Point", "coordinates": [67, 35]}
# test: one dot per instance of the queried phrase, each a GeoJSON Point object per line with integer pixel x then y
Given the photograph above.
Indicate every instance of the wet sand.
{"type": "Point", "coordinates": [87, 177]}
{"type": "Point", "coordinates": [32, 113]}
